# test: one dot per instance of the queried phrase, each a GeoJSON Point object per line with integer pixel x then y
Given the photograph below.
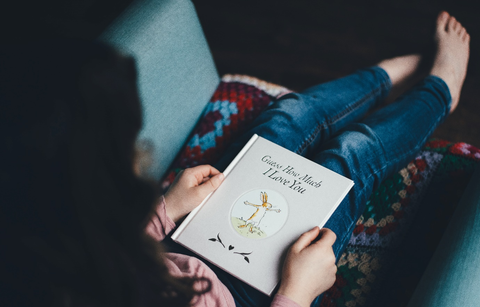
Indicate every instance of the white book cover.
{"type": "Point", "coordinates": [269, 197]}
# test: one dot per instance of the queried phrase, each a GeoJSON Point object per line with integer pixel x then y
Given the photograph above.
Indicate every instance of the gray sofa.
{"type": "Point", "coordinates": [177, 76]}
{"type": "Point", "coordinates": [452, 277]}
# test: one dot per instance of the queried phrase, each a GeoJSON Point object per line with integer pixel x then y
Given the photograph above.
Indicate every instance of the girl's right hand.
{"type": "Point", "coordinates": [189, 189]}
{"type": "Point", "coordinates": [309, 268]}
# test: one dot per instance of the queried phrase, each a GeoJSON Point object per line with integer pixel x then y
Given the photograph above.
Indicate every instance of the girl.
{"type": "Point", "coordinates": [79, 228]}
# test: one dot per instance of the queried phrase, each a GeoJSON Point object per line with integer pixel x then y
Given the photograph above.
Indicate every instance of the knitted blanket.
{"type": "Point", "coordinates": [403, 220]}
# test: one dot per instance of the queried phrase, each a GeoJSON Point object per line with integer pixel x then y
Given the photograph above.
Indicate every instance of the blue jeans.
{"type": "Point", "coordinates": [327, 124]}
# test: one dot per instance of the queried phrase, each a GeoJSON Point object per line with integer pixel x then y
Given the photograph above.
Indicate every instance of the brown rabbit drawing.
{"type": "Point", "coordinates": [262, 209]}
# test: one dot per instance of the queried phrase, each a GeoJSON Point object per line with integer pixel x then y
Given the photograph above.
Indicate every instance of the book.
{"type": "Point", "coordinates": [269, 197]}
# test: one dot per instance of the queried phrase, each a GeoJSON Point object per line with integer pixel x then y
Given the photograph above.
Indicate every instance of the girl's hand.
{"type": "Point", "coordinates": [309, 268]}
{"type": "Point", "coordinates": [190, 188]}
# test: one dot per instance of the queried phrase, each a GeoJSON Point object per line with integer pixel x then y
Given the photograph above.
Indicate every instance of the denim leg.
{"type": "Point", "coordinates": [369, 151]}
{"type": "Point", "coordinates": [302, 121]}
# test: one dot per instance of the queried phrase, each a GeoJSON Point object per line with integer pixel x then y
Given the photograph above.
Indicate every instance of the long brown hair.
{"type": "Point", "coordinates": [73, 211]}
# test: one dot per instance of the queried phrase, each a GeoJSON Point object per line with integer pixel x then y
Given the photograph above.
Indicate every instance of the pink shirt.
{"type": "Point", "coordinates": [181, 265]}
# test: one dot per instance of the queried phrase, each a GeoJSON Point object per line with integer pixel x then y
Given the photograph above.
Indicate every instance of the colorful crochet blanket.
{"type": "Point", "coordinates": [403, 220]}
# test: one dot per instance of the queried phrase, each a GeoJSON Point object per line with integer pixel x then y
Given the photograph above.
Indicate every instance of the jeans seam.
{"type": "Point", "coordinates": [403, 155]}
{"type": "Point", "coordinates": [389, 163]}
{"type": "Point", "coordinates": [418, 145]}
{"type": "Point", "coordinates": [441, 82]}
{"type": "Point", "coordinates": [346, 238]}
{"type": "Point", "coordinates": [323, 126]}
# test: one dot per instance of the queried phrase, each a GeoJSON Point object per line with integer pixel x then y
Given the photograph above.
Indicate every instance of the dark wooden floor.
{"type": "Point", "coordinates": [296, 43]}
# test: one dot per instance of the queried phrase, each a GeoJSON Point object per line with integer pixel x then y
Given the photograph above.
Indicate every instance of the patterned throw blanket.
{"type": "Point", "coordinates": [403, 220]}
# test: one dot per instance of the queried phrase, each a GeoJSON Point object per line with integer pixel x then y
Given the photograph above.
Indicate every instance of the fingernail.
{"type": "Point", "coordinates": [221, 176]}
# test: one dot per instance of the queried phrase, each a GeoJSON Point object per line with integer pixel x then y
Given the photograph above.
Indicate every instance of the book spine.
{"type": "Point", "coordinates": [240, 155]}
{"type": "Point", "coordinates": [227, 171]}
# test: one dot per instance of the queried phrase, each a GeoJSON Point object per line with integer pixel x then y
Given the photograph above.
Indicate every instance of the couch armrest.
{"type": "Point", "coordinates": [452, 277]}
{"type": "Point", "coordinates": [176, 72]}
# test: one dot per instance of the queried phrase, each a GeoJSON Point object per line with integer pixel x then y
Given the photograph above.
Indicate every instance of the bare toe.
{"type": "Point", "coordinates": [442, 21]}
{"type": "Point", "coordinates": [459, 28]}
{"type": "Point", "coordinates": [452, 23]}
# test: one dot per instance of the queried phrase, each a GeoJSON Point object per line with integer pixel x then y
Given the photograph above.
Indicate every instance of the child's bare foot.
{"type": "Point", "coordinates": [401, 68]}
{"type": "Point", "coordinates": [451, 58]}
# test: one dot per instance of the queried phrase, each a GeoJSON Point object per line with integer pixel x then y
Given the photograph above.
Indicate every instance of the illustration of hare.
{"type": "Point", "coordinates": [262, 209]}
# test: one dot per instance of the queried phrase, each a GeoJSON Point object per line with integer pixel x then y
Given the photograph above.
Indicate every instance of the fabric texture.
{"type": "Point", "coordinates": [452, 277]}
{"type": "Point", "coordinates": [175, 72]}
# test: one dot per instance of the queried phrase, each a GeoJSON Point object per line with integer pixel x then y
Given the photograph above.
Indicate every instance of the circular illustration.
{"type": "Point", "coordinates": [259, 213]}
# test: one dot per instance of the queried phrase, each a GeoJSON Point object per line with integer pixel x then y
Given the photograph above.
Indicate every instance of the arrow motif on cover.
{"type": "Point", "coordinates": [231, 247]}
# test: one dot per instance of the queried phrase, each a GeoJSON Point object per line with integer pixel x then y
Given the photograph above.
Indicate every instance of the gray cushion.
{"type": "Point", "coordinates": [452, 277]}
{"type": "Point", "coordinates": [177, 75]}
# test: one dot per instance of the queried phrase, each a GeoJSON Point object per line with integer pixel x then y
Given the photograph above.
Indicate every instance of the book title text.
{"type": "Point", "coordinates": [288, 176]}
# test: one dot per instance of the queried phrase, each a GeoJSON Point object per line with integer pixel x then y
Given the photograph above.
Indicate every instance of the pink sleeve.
{"type": "Point", "coordinates": [160, 225]}
{"type": "Point", "coordinates": [283, 301]}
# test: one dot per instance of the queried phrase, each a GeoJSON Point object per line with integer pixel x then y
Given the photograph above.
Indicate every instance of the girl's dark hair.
{"type": "Point", "coordinates": [73, 212]}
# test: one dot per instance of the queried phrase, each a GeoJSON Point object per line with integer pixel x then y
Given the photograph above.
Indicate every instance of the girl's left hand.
{"type": "Point", "coordinates": [309, 267]}
{"type": "Point", "coordinates": [190, 188]}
